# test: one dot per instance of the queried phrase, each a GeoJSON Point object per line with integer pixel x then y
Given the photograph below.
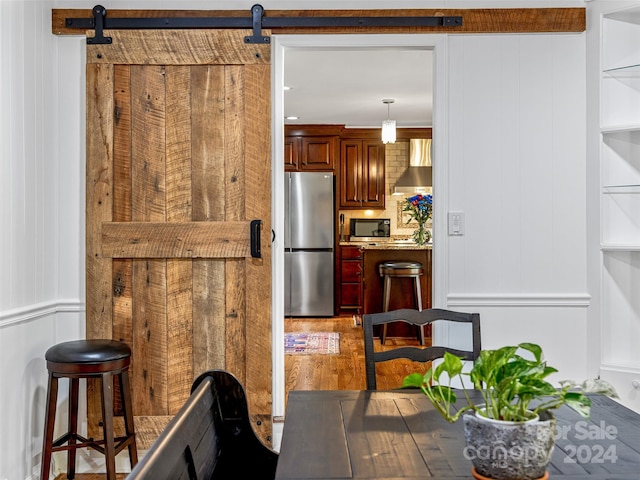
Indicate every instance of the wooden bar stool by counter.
{"type": "Point", "coordinates": [78, 359]}
{"type": "Point", "coordinates": [396, 269]}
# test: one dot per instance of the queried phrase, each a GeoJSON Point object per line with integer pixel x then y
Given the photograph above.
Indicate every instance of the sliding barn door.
{"type": "Point", "coordinates": [178, 165]}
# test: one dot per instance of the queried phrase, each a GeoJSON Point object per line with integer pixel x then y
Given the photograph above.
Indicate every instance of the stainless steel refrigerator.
{"type": "Point", "coordinates": [309, 218]}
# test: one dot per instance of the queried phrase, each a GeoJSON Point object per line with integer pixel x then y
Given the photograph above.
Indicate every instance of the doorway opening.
{"type": "Point", "coordinates": [297, 46]}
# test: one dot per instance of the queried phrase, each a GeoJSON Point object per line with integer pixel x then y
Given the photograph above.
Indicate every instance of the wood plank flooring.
{"type": "Point", "coordinates": [343, 371]}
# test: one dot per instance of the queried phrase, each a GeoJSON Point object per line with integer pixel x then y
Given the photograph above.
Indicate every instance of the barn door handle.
{"type": "Point", "coordinates": [256, 226]}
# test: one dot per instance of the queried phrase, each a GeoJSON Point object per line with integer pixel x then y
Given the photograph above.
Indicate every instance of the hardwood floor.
{"type": "Point", "coordinates": [343, 371]}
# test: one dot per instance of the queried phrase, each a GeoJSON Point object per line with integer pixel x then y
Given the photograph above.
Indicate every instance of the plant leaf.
{"type": "Point", "coordinates": [533, 348]}
{"type": "Point", "coordinates": [413, 380]}
{"type": "Point", "coordinates": [445, 394]}
{"type": "Point", "coordinates": [579, 402]}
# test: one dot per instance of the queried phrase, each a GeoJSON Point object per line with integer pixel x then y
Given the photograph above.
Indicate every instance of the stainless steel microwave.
{"type": "Point", "coordinates": [369, 227]}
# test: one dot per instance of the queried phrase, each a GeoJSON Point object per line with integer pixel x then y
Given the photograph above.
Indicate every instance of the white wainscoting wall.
{"type": "Point", "coordinates": [41, 220]}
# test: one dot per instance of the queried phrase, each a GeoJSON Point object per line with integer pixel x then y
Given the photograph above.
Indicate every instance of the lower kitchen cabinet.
{"type": "Point", "coordinates": [351, 270]}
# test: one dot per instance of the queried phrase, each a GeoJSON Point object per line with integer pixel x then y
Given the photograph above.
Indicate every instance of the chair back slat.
{"type": "Point", "coordinates": [417, 354]}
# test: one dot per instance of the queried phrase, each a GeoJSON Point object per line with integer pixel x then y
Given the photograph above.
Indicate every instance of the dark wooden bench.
{"type": "Point", "coordinates": [209, 438]}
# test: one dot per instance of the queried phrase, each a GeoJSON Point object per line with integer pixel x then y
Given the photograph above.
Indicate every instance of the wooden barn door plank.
{"type": "Point", "coordinates": [149, 205]}
{"type": "Point", "coordinates": [208, 205]}
{"type": "Point", "coordinates": [235, 347]}
{"type": "Point", "coordinates": [99, 206]}
{"type": "Point", "coordinates": [179, 203]}
{"type": "Point", "coordinates": [258, 328]}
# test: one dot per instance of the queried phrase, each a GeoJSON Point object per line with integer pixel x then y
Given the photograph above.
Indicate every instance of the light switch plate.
{"type": "Point", "coordinates": [456, 223]}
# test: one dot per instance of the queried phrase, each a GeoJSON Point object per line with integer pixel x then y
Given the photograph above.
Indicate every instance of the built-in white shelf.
{"type": "Point", "coordinates": [612, 189]}
{"type": "Point", "coordinates": [620, 248]}
{"type": "Point", "coordinates": [632, 128]}
{"type": "Point", "coordinates": [628, 15]}
{"type": "Point", "coordinates": [624, 70]}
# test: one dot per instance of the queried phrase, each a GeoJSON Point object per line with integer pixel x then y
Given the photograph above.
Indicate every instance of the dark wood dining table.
{"type": "Point", "coordinates": [398, 434]}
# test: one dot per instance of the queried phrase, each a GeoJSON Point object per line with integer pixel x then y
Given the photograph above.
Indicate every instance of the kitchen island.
{"type": "Point", "coordinates": [401, 288]}
{"type": "Point", "coordinates": [371, 256]}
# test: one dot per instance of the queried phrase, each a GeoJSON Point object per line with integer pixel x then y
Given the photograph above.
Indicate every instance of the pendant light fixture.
{"type": "Point", "coordinates": [388, 126]}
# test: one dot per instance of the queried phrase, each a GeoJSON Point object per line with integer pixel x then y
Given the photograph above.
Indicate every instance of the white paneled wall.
{"type": "Point", "coordinates": [516, 164]}
{"type": "Point", "coordinates": [517, 170]}
{"type": "Point", "coordinates": [41, 219]}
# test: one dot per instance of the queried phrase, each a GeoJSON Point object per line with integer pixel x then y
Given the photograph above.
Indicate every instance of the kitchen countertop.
{"type": "Point", "coordinates": [387, 245]}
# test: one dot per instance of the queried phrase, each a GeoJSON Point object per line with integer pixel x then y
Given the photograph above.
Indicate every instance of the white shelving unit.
{"type": "Point", "coordinates": [620, 199]}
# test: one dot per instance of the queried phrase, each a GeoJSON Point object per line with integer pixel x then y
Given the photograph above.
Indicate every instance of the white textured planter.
{"type": "Point", "coordinates": [509, 450]}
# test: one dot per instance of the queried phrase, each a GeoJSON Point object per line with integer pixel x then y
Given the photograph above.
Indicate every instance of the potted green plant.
{"type": "Point", "coordinates": [510, 432]}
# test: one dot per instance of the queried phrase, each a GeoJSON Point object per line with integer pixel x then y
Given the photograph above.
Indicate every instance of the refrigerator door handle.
{"type": "Point", "coordinates": [255, 227]}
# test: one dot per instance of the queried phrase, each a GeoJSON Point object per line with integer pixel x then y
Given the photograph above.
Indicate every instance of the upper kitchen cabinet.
{"type": "Point", "coordinates": [311, 148]}
{"type": "Point", "coordinates": [362, 180]}
{"type": "Point", "coordinates": [291, 153]}
{"type": "Point", "coordinates": [318, 153]}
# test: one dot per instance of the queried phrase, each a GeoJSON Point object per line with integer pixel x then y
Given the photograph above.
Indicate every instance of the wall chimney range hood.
{"type": "Point", "coordinates": [418, 175]}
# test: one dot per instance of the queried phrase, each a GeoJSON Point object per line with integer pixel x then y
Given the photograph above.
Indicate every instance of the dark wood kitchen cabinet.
{"type": "Point", "coordinates": [309, 154]}
{"type": "Point", "coordinates": [311, 148]}
{"type": "Point", "coordinates": [318, 153]}
{"type": "Point", "coordinates": [351, 272]}
{"type": "Point", "coordinates": [362, 180]}
{"type": "Point", "coordinates": [291, 153]}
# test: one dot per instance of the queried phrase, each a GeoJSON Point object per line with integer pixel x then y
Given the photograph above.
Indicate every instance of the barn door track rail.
{"type": "Point", "coordinates": [257, 22]}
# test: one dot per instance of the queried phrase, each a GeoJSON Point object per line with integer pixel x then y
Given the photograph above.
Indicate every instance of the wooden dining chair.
{"type": "Point", "coordinates": [417, 354]}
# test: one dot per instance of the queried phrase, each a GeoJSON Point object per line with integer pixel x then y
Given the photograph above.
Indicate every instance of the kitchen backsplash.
{"type": "Point", "coordinates": [396, 162]}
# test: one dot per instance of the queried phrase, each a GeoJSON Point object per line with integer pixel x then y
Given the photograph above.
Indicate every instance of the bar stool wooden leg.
{"type": "Point", "coordinates": [49, 422]}
{"type": "Point", "coordinates": [386, 290]}
{"type": "Point", "coordinates": [107, 424]}
{"type": "Point", "coordinates": [74, 384]}
{"type": "Point", "coordinates": [125, 397]}
{"type": "Point", "coordinates": [418, 296]}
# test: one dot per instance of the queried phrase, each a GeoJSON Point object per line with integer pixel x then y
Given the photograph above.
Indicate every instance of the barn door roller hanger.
{"type": "Point", "coordinates": [257, 22]}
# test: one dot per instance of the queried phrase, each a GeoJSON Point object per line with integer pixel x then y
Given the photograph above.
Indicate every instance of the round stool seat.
{"type": "Point", "coordinates": [88, 356]}
{"type": "Point", "coordinates": [88, 351]}
{"type": "Point", "coordinates": [400, 269]}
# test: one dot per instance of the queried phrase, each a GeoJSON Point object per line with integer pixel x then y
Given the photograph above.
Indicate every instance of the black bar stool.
{"type": "Point", "coordinates": [84, 359]}
{"type": "Point", "coordinates": [395, 269]}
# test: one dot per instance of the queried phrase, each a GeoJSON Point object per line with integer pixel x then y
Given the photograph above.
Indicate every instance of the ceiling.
{"type": "Point", "coordinates": [347, 86]}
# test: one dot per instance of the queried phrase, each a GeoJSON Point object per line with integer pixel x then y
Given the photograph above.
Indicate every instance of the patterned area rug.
{"type": "Point", "coordinates": [311, 343]}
